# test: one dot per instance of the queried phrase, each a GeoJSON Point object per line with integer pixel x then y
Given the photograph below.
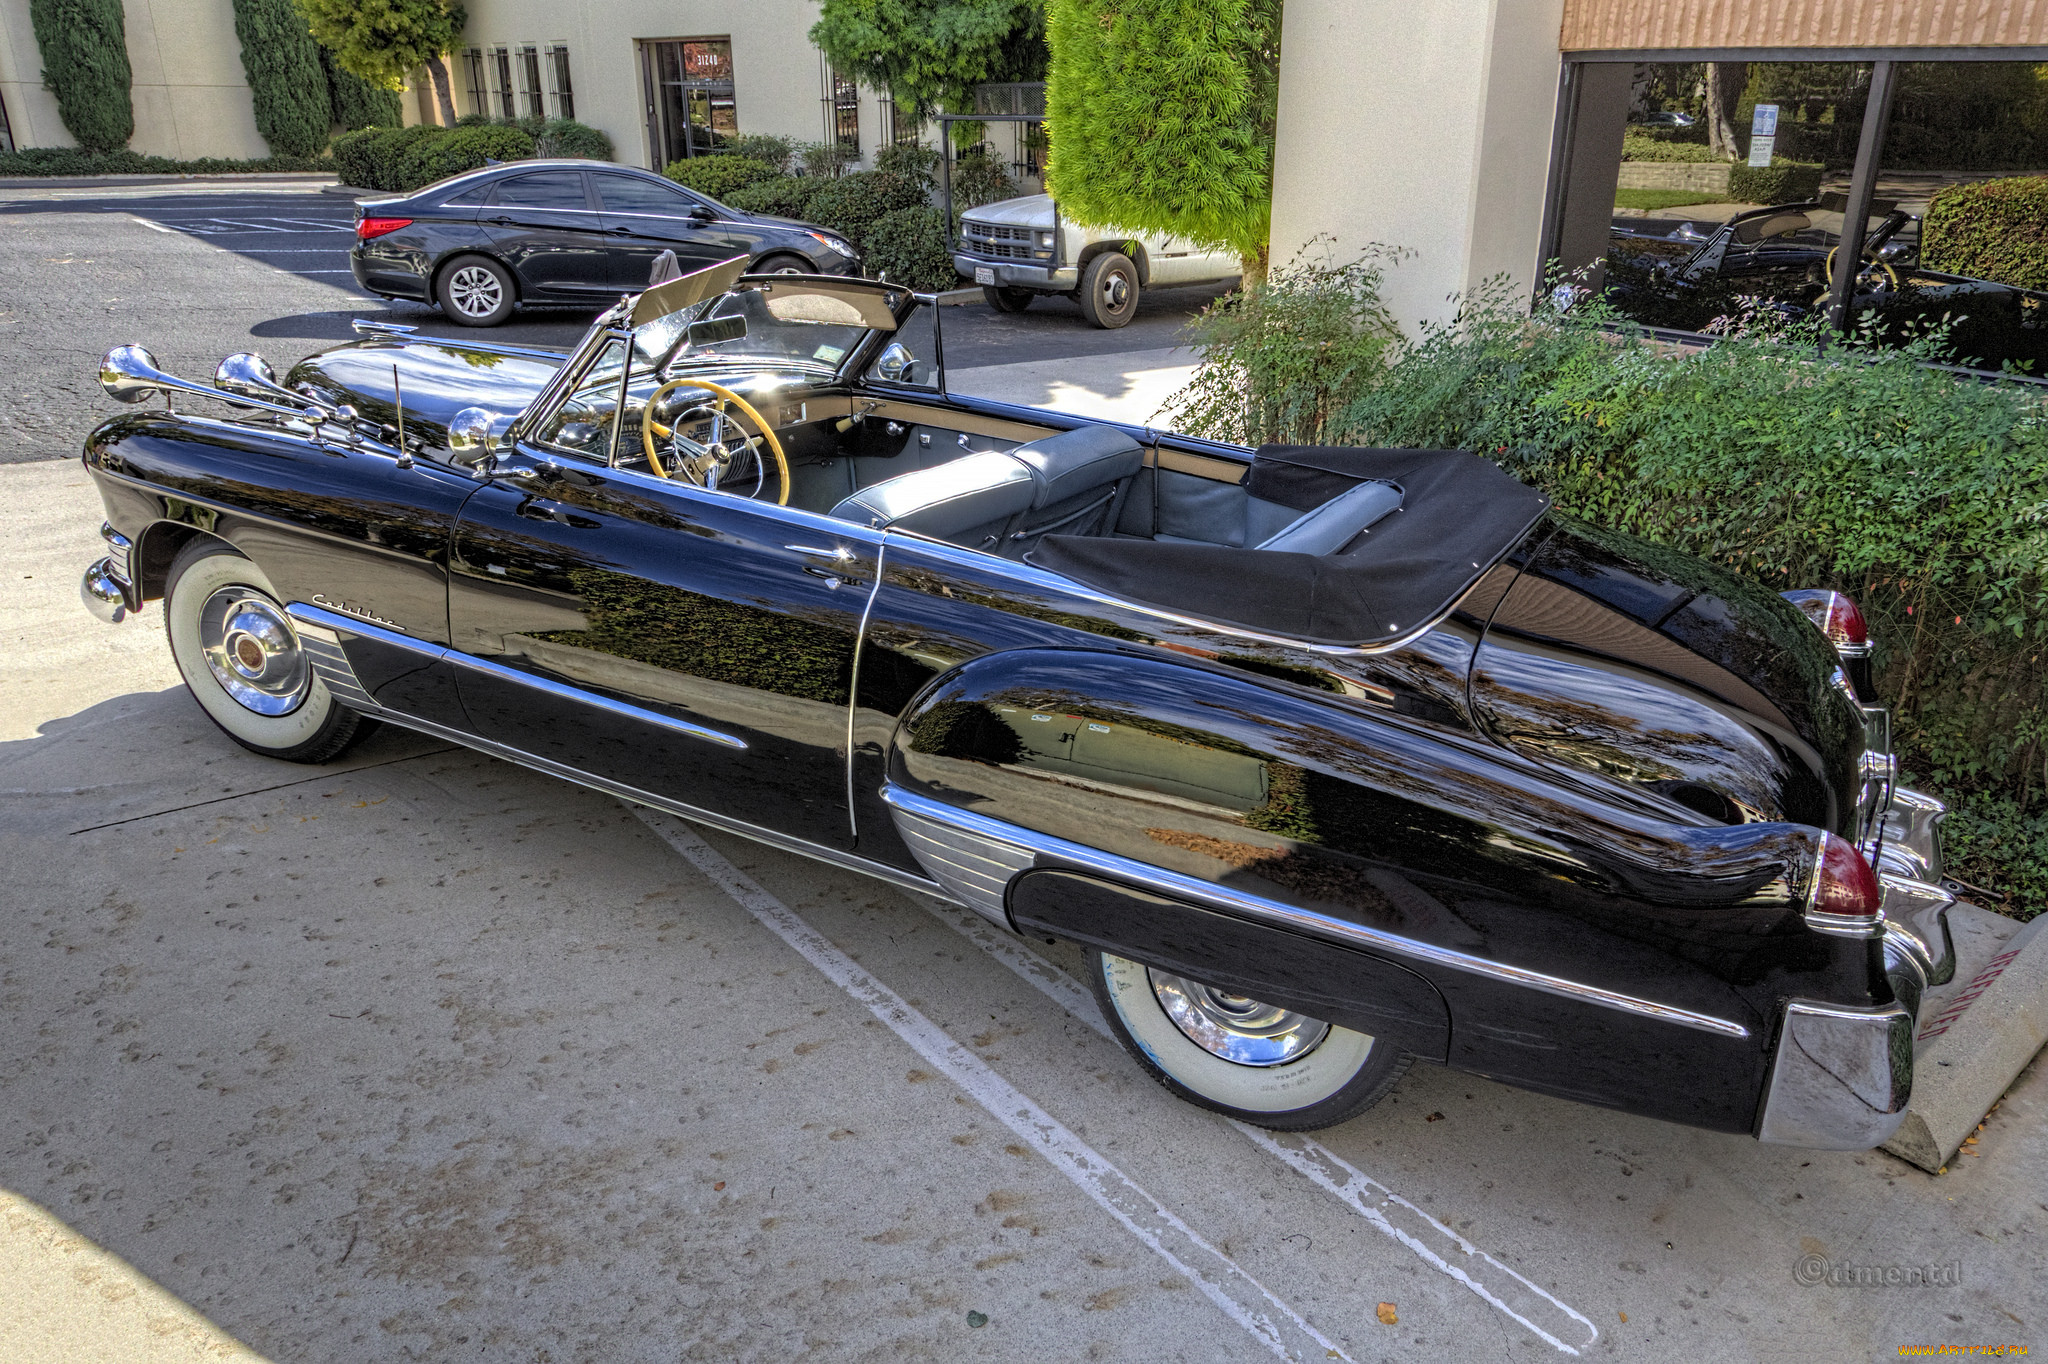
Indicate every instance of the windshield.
{"type": "Point", "coordinates": [810, 326]}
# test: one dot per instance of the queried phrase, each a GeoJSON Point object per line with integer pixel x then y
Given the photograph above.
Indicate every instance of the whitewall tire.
{"type": "Point", "coordinates": [241, 660]}
{"type": "Point", "coordinates": [1247, 1060]}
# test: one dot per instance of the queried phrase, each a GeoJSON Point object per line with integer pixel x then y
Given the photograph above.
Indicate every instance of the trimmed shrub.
{"type": "Point", "coordinates": [776, 152]}
{"type": "Point", "coordinates": [910, 246]}
{"type": "Point", "coordinates": [1995, 230]}
{"type": "Point", "coordinates": [979, 177]}
{"type": "Point", "coordinates": [719, 176]}
{"type": "Point", "coordinates": [286, 83]}
{"type": "Point", "coordinates": [1781, 182]}
{"type": "Point", "coordinates": [357, 103]}
{"type": "Point", "coordinates": [788, 197]}
{"type": "Point", "coordinates": [74, 161]}
{"type": "Point", "coordinates": [567, 137]}
{"type": "Point", "coordinates": [822, 159]}
{"type": "Point", "coordinates": [353, 161]}
{"type": "Point", "coordinates": [451, 151]}
{"type": "Point", "coordinates": [914, 159]}
{"type": "Point", "coordinates": [852, 204]}
{"type": "Point", "coordinates": [84, 45]}
{"type": "Point", "coordinates": [1636, 146]}
{"type": "Point", "coordinates": [388, 148]}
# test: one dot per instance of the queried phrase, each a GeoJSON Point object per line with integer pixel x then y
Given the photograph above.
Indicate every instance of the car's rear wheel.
{"type": "Point", "coordinates": [242, 661]}
{"type": "Point", "coordinates": [476, 291]}
{"type": "Point", "coordinates": [1255, 1062]}
{"type": "Point", "coordinates": [1109, 290]}
{"type": "Point", "coordinates": [1008, 300]}
{"type": "Point", "coordinates": [785, 265]}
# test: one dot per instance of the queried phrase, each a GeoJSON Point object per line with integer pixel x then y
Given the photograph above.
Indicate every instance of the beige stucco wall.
{"type": "Point", "coordinates": [31, 110]}
{"type": "Point", "coordinates": [1425, 126]}
{"type": "Point", "coordinates": [776, 83]}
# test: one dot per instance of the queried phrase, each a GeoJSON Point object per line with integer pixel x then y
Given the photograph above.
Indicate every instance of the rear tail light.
{"type": "Point", "coordinates": [1846, 896]}
{"type": "Point", "coordinates": [1839, 618]}
{"type": "Point", "coordinates": [366, 228]}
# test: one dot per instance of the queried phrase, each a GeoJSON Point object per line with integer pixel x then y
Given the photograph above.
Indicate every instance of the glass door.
{"type": "Point", "coordinates": [690, 106]}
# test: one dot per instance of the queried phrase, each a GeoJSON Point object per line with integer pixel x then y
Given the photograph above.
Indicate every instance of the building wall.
{"type": "Point", "coordinates": [1424, 126]}
{"type": "Point", "coordinates": [777, 87]}
{"type": "Point", "coordinates": [1608, 25]}
{"type": "Point", "coordinates": [31, 110]}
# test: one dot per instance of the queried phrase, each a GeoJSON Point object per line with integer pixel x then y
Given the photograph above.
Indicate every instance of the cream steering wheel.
{"type": "Point", "coordinates": [712, 459]}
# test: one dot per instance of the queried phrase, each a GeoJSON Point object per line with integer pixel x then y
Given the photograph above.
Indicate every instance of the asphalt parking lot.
{"type": "Point", "coordinates": [423, 1056]}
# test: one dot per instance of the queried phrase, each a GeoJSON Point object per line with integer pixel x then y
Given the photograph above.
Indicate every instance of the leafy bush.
{"type": "Point", "coordinates": [979, 177]}
{"type": "Point", "coordinates": [914, 159]}
{"type": "Point", "coordinates": [73, 161]}
{"type": "Point", "coordinates": [557, 136]}
{"type": "Point", "coordinates": [1924, 498]}
{"type": "Point", "coordinates": [443, 152]}
{"type": "Point", "coordinates": [911, 246]}
{"type": "Point", "coordinates": [1994, 229]}
{"type": "Point", "coordinates": [719, 176]}
{"type": "Point", "coordinates": [387, 150]}
{"type": "Point", "coordinates": [353, 161]}
{"type": "Point", "coordinates": [84, 46]}
{"type": "Point", "coordinates": [1637, 146]}
{"type": "Point", "coordinates": [853, 204]}
{"type": "Point", "coordinates": [822, 159]}
{"type": "Point", "coordinates": [776, 152]}
{"type": "Point", "coordinates": [287, 86]}
{"type": "Point", "coordinates": [787, 197]}
{"type": "Point", "coordinates": [1781, 182]}
{"type": "Point", "coordinates": [355, 102]}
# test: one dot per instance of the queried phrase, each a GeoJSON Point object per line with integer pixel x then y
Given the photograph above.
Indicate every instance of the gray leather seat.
{"type": "Point", "coordinates": [1337, 522]}
{"type": "Point", "coordinates": [1071, 483]}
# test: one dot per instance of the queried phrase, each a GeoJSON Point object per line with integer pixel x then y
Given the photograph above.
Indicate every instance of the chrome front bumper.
{"type": "Point", "coordinates": [1017, 274]}
{"type": "Point", "coordinates": [108, 588]}
{"type": "Point", "coordinates": [1842, 1077]}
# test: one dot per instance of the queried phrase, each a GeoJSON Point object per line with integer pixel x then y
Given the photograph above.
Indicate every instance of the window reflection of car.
{"type": "Point", "coordinates": [1665, 118]}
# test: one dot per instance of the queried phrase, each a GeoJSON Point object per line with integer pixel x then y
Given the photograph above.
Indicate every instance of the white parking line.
{"type": "Point", "coordinates": [1220, 1279]}
{"type": "Point", "coordinates": [1435, 1243]}
{"type": "Point", "coordinates": [155, 227]}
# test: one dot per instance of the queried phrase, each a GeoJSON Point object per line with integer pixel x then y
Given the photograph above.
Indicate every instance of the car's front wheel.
{"type": "Point", "coordinates": [1255, 1062]}
{"type": "Point", "coordinates": [1008, 300]}
{"type": "Point", "coordinates": [476, 291]}
{"type": "Point", "coordinates": [1109, 290]}
{"type": "Point", "coordinates": [242, 661]}
{"type": "Point", "coordinates": [785, 265]}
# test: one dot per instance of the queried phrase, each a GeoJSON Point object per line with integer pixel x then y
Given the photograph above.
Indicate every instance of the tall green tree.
{"type": "Point", "coordinates": [382, 40]}
{"type": "Point", "coordinates": [286, 82]}
{"type": "Point", "coordinates": [357, 103]}
{"type": "Point", "coordinates": [84, 44]}
{"type": "Point", "coordinates": [1161, 116]}
{"type": "Point", "coordinates": [930, 54]}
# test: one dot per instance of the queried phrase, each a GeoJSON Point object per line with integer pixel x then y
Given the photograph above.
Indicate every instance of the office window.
{"type": "Point", "coordinates": [560, 96]}
{"type": "Point", "coordinates": [479, 89]}
{"type": "Point", "coordinates": [501, 72]}
{"type": "Point", "coordinates": [689, 86]}
{"type": "Point", "coordinates": [842, 113]}
{"type": "Point", "coordinates": [530, 89]}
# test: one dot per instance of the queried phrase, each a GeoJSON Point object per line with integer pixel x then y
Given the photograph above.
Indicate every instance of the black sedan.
{"type": "Point", "coordinates": [480, 244]}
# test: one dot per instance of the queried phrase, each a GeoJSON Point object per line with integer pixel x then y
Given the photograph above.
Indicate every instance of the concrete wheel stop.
{"type": "Point", "coordinates": [1977, 1032]}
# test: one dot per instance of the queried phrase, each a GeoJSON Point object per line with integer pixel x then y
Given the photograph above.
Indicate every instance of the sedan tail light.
{"type": "Point", "coordinates": [1839, 618]}
{"type": "Point", "coordinates": [1846, 895]}
{"type": "Point", "coordinates": [366, 228]}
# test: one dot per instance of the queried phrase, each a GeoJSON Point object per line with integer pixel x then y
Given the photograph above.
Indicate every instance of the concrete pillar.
{"type": "Point", "coordinates": [1593, 167]}
{"type": "Point", "coordinates": [1424, 125]}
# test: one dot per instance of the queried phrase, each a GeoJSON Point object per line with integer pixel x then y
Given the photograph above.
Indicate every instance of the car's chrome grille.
{"type": "Point", "coordinates": [974, 869]}
{"type": "Point", "coordinates": [993, 241]}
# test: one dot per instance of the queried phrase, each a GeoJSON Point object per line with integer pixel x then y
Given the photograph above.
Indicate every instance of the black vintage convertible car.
{"type": "Point", "coordinates": [1334, 758]}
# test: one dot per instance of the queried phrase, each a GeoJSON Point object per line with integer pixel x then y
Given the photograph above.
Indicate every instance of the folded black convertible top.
{"type": "Point", "coordinates": [1459, 513]}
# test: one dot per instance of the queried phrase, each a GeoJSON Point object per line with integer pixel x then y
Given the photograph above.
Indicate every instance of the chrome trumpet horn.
{"type": "Point", "coordinates": [252, 377]}
{"type": "Point", "coordinates": [129, 374]}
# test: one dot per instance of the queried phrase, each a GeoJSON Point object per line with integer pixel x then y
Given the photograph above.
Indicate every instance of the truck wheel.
{"type": "Point", "coordinates": [1008, 300]}
{"type": "Point", "coordinates": [241, 660]}
{"type": "Point", "coordinates": [1109, 290]}
{"type": "Point", "coordinates": [1253, 1062]}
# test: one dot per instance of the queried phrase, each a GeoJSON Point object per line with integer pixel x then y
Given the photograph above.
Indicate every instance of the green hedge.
{"type": "Point", "coordinates": [719, 176]}
{"type": "Point", "coordinates": [355, 102]}
{"type": "Point", "coordinates": [84, 46]}
{"type": "Point", "coordinates": [1915, 493]}
{"type": "Point", "coordinates": [1637, 146]}
{"type": "Point", "coordinates": [1994, 229]}
{"type": "Point", "coordinates": [72, 161]}
{"type": "Point", "coordinates": [1781, 182]}
{"type": "Point", "coordinates": [287, 84]}
{"type": "Point", "coordinates": [567, 137]}
{"type": "Point", "coordinates": [399, 160]}
{"type": "Point", "coordinates": [778, 152]}
{"type": "Point", "coordinates": [788, 196]}
{"type": "Point", "coordinates": [851, 205]}
{"type": "Point", "coordinates": [910, 246]}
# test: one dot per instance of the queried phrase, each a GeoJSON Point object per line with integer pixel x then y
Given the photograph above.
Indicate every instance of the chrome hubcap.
{"type": "Point", "coordinates": [253, 651]}
{"type": "Point", "coordinates": [475, 291]}
{"type": "Point", "coordinates": [1116, 291]}
{"type": "Point", "coordinates": [1236, 1027]}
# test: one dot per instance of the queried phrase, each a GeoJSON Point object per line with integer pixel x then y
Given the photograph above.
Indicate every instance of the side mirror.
{"type": "Point", "coordinates": [476, 434]}
{"type": "Point", "coordinates": [897, 365]}
{"type": "Point", "coordinates": [701, 214]}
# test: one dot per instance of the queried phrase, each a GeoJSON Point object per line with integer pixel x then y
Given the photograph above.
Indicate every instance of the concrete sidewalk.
{"type": "Point", "coordinates": [1131, 386]}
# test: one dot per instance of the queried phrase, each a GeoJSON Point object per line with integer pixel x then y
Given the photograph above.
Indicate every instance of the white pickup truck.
{"type": "Point", "coordinates": [1021, 248]}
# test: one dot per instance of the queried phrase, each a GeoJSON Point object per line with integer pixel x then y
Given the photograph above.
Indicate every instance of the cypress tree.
{"type": "Point", "coordinates": [84, 44]}
{"type": "Point", "coordinates": [286, 81]}
{"type": "Point", "coordinates": [1161, 117]}
{"type": "Point", "coordinates": [357, 103]}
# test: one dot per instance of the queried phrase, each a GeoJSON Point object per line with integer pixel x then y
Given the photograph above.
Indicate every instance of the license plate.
{"type": "Point", "coordinates": [984, 274]}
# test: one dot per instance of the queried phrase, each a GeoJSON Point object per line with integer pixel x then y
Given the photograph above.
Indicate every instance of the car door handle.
{"type": "Point", "coordinates": [501, 222]}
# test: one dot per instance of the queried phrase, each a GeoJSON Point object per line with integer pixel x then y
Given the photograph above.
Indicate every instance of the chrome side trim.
{"type": "Point", "coordinates": [305, 614]}
{"type": "Point", "coordinates": [1055, 851]}
{"type": "Point", "coordinates": [331, 665]}
{"type": "Point", "coordinates": [975, 869]}
{"type": "Point", "coordinates": [1841, 1078]}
